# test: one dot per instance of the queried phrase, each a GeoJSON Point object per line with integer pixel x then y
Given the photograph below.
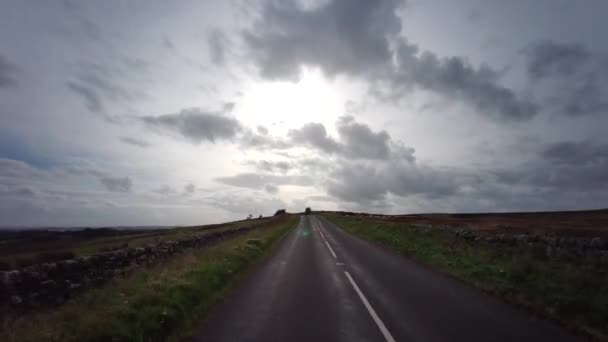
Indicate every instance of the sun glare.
{"type": "Point", "coordinates": [291, 104]}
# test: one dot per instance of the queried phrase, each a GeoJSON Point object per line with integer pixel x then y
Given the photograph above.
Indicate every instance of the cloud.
{"type": "Point", "coordinates": [272, 166]}
{"type": "Point", "coordinates": [579, 166]}
{"type": "Point", "coordinates": [357, 141]}
{"type": "Point", "coordinates": [455, 77]}
{"type": "Point", "coordinates": [250, 203]}
{"type": "Point", "coordinates": [361, 142]}
{"type": "Point", "coordinates": [271, 189]}
{"type": "Point", "coordinates": [343, 36]}
{"type": "Point", "coordinates": [572, 78]}
{"type": "Point", "coordinates": [259, 181]}
{"type": "Point", "coordinates": [314, 135]}
{"type": "Point", "coordinates": [196, 125]}
{"type": "Point", "coordinates": [189, 188]}
{"type": "Point", "coordinates": [135, 142]}
{"type": "Point", "coordinates": [361, 38]}
{"type": "Point", "coordinates": [575, 153]}
{"type": "Point", "coordinates": [262, 130]}
{"type": "Point", "coordinates": [117, 184]}
{"type": "Point", "coordinates": [168, 44]}
{"type": "Point", "coordinates": [165, 190]}
{"type": "Point", "coordinates": [261, 141]}
{"type": "Point", "coordinates": [91, 99]}
{"type": "Point", "coordinates": [359, 184]}
{"type": "Point", "coordinates": [547, 58]}
{"type": "Point", "coordinates": [217, 41]}
{"type": "Point", "coordinates": [8, 73]}
{"type": "Point", "coordinates": [98, 84]}
{"type": "Point", "coordinates": [370, 184]}
{"type": "Point", "coordinates": [18, 169]}
{"type": "Point", "coordinates": [21, 191]}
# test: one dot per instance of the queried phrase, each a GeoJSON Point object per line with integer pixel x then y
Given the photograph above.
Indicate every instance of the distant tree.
{"type": "Point", "coordinates": [249, 217]}
{"type": "Point", "coordinates": [260, 216]}
{"type": "Point", "coordinates": [280, 212]}
{"type": "Point", "coordinates": [307, 211]}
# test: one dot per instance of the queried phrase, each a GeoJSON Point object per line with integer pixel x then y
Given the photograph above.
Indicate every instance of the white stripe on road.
{"type": "Point", "coordinates": [387, 335]}
{"type": "Point", "coordinates": [331, 250]}
{"type": "Point", "coordinates": [326, 243]}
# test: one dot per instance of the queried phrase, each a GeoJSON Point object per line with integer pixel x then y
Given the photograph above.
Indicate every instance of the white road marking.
{"type": "Point", "coordinates": [331, 250]}
{"type": "Point", "coordinates": [327, 244]}
{"type": "Point", "coordinates": [387, 335]}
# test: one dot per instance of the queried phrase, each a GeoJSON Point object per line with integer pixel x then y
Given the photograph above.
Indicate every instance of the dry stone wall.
{"type": "Point", "coordinates": [53, 283]}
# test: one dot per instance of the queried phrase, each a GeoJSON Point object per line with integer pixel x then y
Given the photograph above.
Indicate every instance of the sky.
{"type": "Point", "coordinates": [192, 112]}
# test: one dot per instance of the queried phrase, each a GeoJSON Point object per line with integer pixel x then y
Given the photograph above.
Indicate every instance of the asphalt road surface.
{"type": "Point", "coordinates": [323, 284]}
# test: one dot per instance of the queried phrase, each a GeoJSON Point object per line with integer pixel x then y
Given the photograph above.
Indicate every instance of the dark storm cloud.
{"type": "Point", "coordinates": [196, 125]}
{"type": "Point", "coordinates": [361, 38]}
{"type": "Point", "coordinates": [135, 142]}
{"type": "Point", "coordinates": [576, 152]}
{"type": "Point", "coordinates": [117, 184]}
{"type": "Point", "coordinates": [574, 166]}
{"type": "Point", "coordinates": [8, 73]}
{"type": "Point", "coordinates": [345, 36]}
{"type": "Point", "coordinates": [574, 78]}
{"type": "Point", "coordinates": [455, 77]}
{"type": "Point", "coordinates": [548, 58]}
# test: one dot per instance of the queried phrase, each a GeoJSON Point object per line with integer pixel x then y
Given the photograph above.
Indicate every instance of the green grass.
{"type": "Point", "coordinates": [156, 304]}
{"type": "Point", "coordinates": [573, 295]}
{"type": "Point", "coordinates": [20, 253]}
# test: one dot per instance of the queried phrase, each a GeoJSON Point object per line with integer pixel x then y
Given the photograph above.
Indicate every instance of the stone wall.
{"type": "Point", "coordinates": [589, 251]}
{"type": "Point", "coordinates": [592, 251]}
{"type": "Point", "coordinates": [53, 283]}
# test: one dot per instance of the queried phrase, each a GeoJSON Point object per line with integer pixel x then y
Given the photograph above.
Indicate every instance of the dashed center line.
{"type": "Point", "coordinates": [387, 334]}
{"type": "Point", "coordinates": [326, 243]}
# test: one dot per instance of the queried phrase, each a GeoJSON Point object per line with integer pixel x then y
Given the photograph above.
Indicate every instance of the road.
{"type": "Point", "coordinates": [323, 284]}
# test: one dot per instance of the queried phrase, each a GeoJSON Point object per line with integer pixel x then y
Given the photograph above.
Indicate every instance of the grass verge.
{"type": "Point", "coordinates": [570, 294]}
{"type": "Point", "coordinates": [157, 304]}
{"type": "Point", "coordinates": [50, 246]}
